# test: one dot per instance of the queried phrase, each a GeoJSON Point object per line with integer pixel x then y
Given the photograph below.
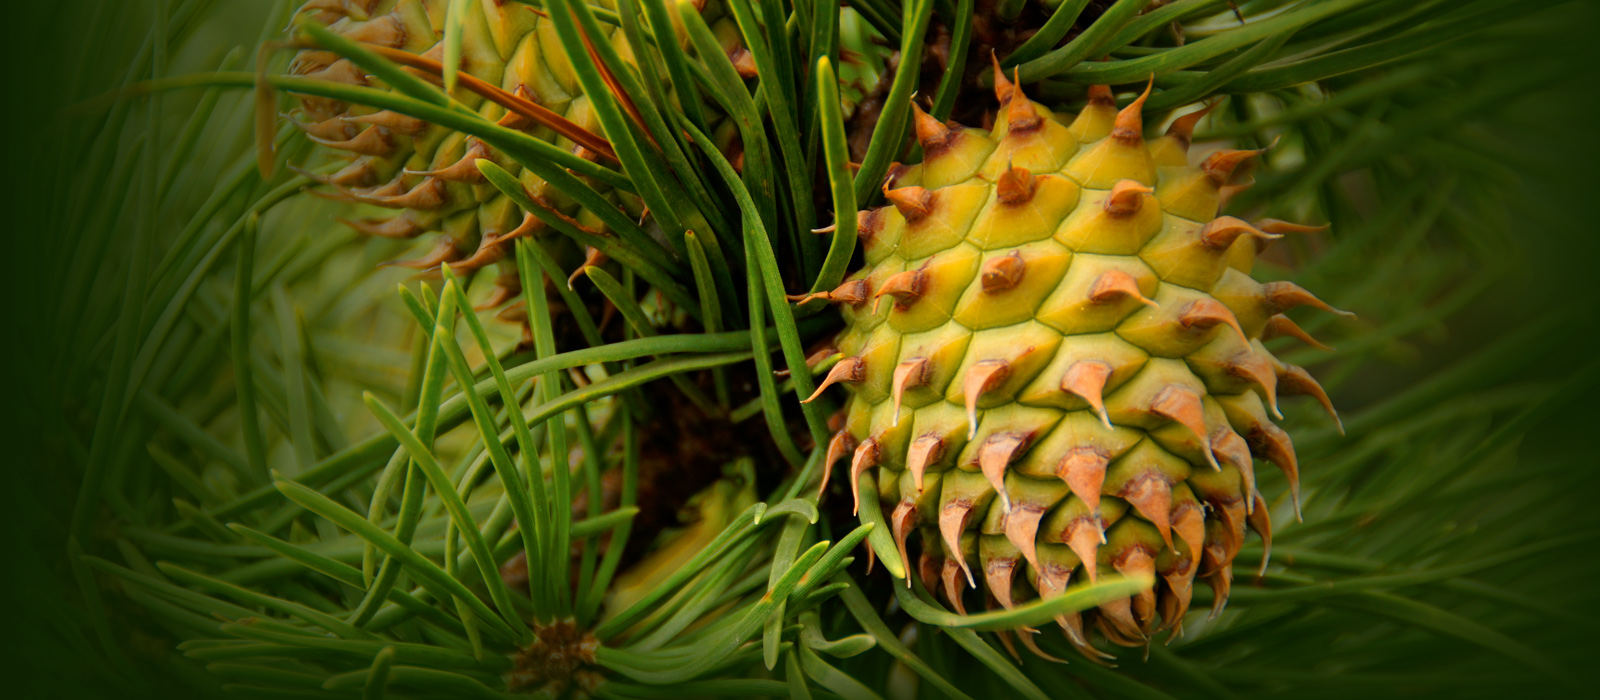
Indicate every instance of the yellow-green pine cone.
{"type": "Point", "coordinates": [426, 172]}
{"type": "Point", "coordinates": [1055, 362]}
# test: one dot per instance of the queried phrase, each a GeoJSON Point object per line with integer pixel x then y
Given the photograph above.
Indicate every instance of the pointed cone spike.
{"type": "Point", "coordinates": [932, 134]}
{"type": "Point", "coordinates": [529, 225]}
{"type": "Point", "coordinates": [1003, 87]}
{"type": "Point", "coordinates": [464, 170]}
{"type": "Point", "coordinates": [1275, 446]}
{"type": "Point", "coordinates": [1021, 116]}
{"type": "Point", "coordinates": [924, 450]}
{"type": "Point", "coordinates": [1016, 186]}
{"type": "Point", "coordinates": [442, 252]}
{"type": "Point", "coordinates": [1280, 227]}
{"type": "Point", "coordinates": [1086, 379]}
{"type": "Point", "coordinates": [1102, 95]}
{"type": "Point", "coordinates": [1297, 381]}
{"type": "Point", "coordinates": [393, 121]}
{"type": "Point", "coordinates": [902, 522]}
{"type": "Point", "coordinates": [994, 454]}
{"type": "Point", "coordinates": [428, 194]}
{"type": "Point", "coordinates": [1258, 370]}
{"type": "Point", "coordinates": [1084, 471]}
{"type": "Point", "coordinates": [1011, 647]}
{"type": "Point", "coordinates": [950, 575]}
{"type": "Point", "coordinates": [1129, 126]}
{"type": "Point", "coordinates": [1228, 447]}
{"type": "Point", "coordinates": [1208, 313]}
{"type": "Point", "coordinates": [1113, 285]}
{"type": "Point", "coordinates": [1221, 582]}
{"type": "Point", "coordinates": [1119, 615]}
{"type": "Point", "coordinates": [1189, 521]}
{"type": "Point", "coordinates": [1137, 562]}
{"type": "Point", "coordinates": [330, 129]}
{"type": "Point", "coordinates": [1219, 166]}
{"type": "Point", "coordinates": [395, 227]}
{"type": "Point", "coordinates": [373, 141]}
{"type": "Point", "coordinates": [1125, 199]}
{"type": "Point", "coordinates": [1151, 495]}
{"type": "Point", "coordinates": [904, 287]}
{"type": "Point", "coordinates": [865, 457]}
{"type": "Point", "coordinates": [1281, 325]}
{"type": "Point", "coordinates": [952, 522]}
{"type": "Point", "coordinates": [984, 376]}
{"type": "Point", "coordinates": [842, 444]}
{"type": "Point", "coordinates": [1282, 296]}
{"type": "Point", "coordinates": [1182, 129]}
{"type": "Point", "coordinates": [908, 374]}
{"type": "Point", "coordinates": [1022, 527]}
{"type": "Point", "coordinates": [1072, 627]}
{"type": "Point", "coordinates": [1261, 521]}
{"type": "Point", "coordinates": [1182, 405]}
{"type": "Point", "coordinates": [849, 369]}
{"type": "Point", "coordinates": [1222, 231]}
{"type": "Point", "coordinates": [1002, 273]}
{"type": "Point", "coordinates": [913, 203]}
{"type": "Point", "coordinates": [998, 575]}
{"type": "Point", "coordinates": [1084, 536]}
{"type": "Point", "coordinates": [1025, 635]}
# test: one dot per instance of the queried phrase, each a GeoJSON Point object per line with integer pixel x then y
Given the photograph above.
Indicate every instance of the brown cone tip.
{"type": "Point", "coordinates": [994, 454]}
{"type": "Point", "coordinates": [1189, 521]}
{"type": "Point", "coordinates": [1283, 296]}
{"type": "Point", "coordinates": [1151, 495]}
{"type": "Point", "coordinates": [1182, 405]}
{"type": "Point", "coordinates": [950, 576]}
{"type": "Point", "coordinates": [1222, 231]}
{"type": "Point", "coordinates": [849, 369]}
{"type": "Point", "coordinates": [442, 252]}
{"type": "Point", "coordinates": [1084, 536]}
{"type": "Point", "coordinates": [1114, 285]}
{"type": "Point", "coordinates": [925, 450]}
{"type": "Point", "coordinates": [1219, 166]}
{"type": "Point", "coordinates": [913, 202]}
{"type": "Point", "coordinates": [952, 522]}
{"type": "Point", "coordinates": [1022, 527]}
{"type": "Point", "coordinates": [1280, 325]}
{"type": "Point", "coordinates": [393, 121]}
{"type": "Point", "coordinates": [373, 141]}
{"type": "Point", "coordinates": [1129, 125]}
{"type": "Point", "coordinates": [998, 575]}
{"type": "Point", "coordinates": [1087, 380]}
{"type": "Point", "coordinates": [1125, 199]}
{"type": "Point", "coordinates": [1297, 381]}
{"type": "Point", "coordinates": [428, 194]}
{"type": "Point", "coordinates": [932, 134]}
{"type": "Point", "coordinates": [1084, 471]}
{"type": "Point", "coordinates": [394, 227]}
{"type": "Point", "coordinates": [905, 287]}
{"type": "Point", "coordinates": [1280, 227]}
{"type": "Point", "coordinates": [911, 373]}
{"type": "Point", "coordinates": [902, 522]}
{"type": "Point", "coordinates": [1273, 444]}
{"type": "Point", "coordinates": [1182, 129]}
{"type": "Point", "coordinates": [1260, 520]}
{"type": "Point", "coordinates": [1015, 186]}
{"type": "Point", "coordinates": [984, 376]}
{"type": "Point", "coordinates": [841, 444]}
{"type": "Point", "coordinates": [1003, 87]}
{"type": "Point", "coordinates": [865, 457]}
{"type": "Point", "coordinates": [1209, 313]}
{"type": "Point", "coordinates": [1002, 273]}
{"type": "Point", "coordinates": [1021, 116]}
{"type": "Point", "coordinates": [1101, 95]}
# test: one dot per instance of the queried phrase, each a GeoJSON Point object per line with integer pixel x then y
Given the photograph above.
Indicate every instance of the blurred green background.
{"type": "Point", "coordinates": [1534, 463]}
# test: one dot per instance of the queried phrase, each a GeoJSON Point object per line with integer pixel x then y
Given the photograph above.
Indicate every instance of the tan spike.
{"type": "Point", "coordinates": [842, 444]}
{"type": "Point", "coordinates": [1227, 446]}
{"type": "Point", "coordinates": [358, 173]}
{"type": "Point", "coordinates": [386, 31]}
{"type": "Point", "coordinates": [1151, 495]}
{"type": "Point", "coordinates": [984, 376]}
{"type": "Point", "coordinates": [997, 451]}
{"type": "Point", "coordinates": [1003, 87]}
{"type": "Point", "coordinates": [513, 119]}
{"type": "Point", "coordinates": [849, 369]}
{"type": "Point", "coordinates": [1086, 379]}
{"type": "Point", "coordinates": [1182, 405]}
{"type": "Point", "coordinates": [743, 62]}
{"type": "Point", "coordinates": [1002, 273]}
{"type": "Point", "coordinates": [428, 194]}
{"type": "Point", "coordinates": [932, 134]}
{"type": "Point", "coordinates": [952, 522]}
{"type": "Point", "coordinates": [443, 251]}
{"type": "Point", "coordinates": [1182, 129]}
{"type": "Point", "coordinates": [1271, 443]}
{"type": "Point", "coordinates": [902, 522]}
{"type": "Point", "coordinates": [1102, 95]}
{"type": "Point", "coordinates": [340, 71]}
{"type": "Point", "coordinates": [1084, 471]}
{"type": "Point", "coordinates": [950, 575]}
{"type": "Point", "coordinates": [1222, 231]}
{"type": "Point", "coordinates": [373, 141]}
{"type": "Point", "coordinates": [1022, 527]}
{"type": "Point", "coordinates": [464, 170]}
{"type": "Point", "coordinates": [1219, 166]}
{"type": "Point", "coordinates": [1281, 227]}
{"type": "Point", "coordinates": [1072, 627]}
{"type": "Point", "coordinates": [1025, 635]}
{"type": "Point", "coordinates": [1021, 117]}
{"type": "Point", "coordinates": [1189, 521]}
{"type": "Point", "coordinates": [1281, 325]}
{"type": "Point", "coordinates": [393, 121]}
{"type": "Point", "coordinates": [1125, 199]}
{"type": "Point", "coordinates": [1129, 126]}
{"type": "Point", "coordinates": [998, 575]}
{"type": "Point", "coordinates": [1296, 381]}
{"type": "Point", "coordinates": [1207, 313]}
{"type": "Point", "coordinates": [400, 226]}
{"type": "Point", "coordinates": [1015, 186]}
{"type": "Point", "coordinates": [1282, 296]}
{"type": "Point", "coordinates": [928, 569]}
{"type": "Point", "coordinates": [1261, 521]}
{"type": "Point", "coordinates": [913, 202]}
{"type": "Point", "coordinates": [1118, 623]}
{"type": "Point", "coordinates": [924, 450]}
{"type": "Point", "coordinates": [905, 287]}
{"type": "Point", "coordinates": [869, 222]}
{"type": "Point", "coordinates": [1176, 603]}
{"type": "Point", "coordinates": [1135, 562]}
{"type": "Point", "coordinates": [1220, 580]}
{"type": "Point", "coordinates": [1084, 536]}
{"type": "Point", "coordinates": [330, 129]}
{"type": "Point", "coordinates": [911, 373]}
{"type": "Point", "coordinates": [865, 457]}
{"type": "Point", "coordinates": [530, 224]}
{"type": "Point", "coordinates": [1252, 367]}
{"type": "Point", "coordinates": [1112, 285]}
{"type": "Point", "coordinates": [852, 292]}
